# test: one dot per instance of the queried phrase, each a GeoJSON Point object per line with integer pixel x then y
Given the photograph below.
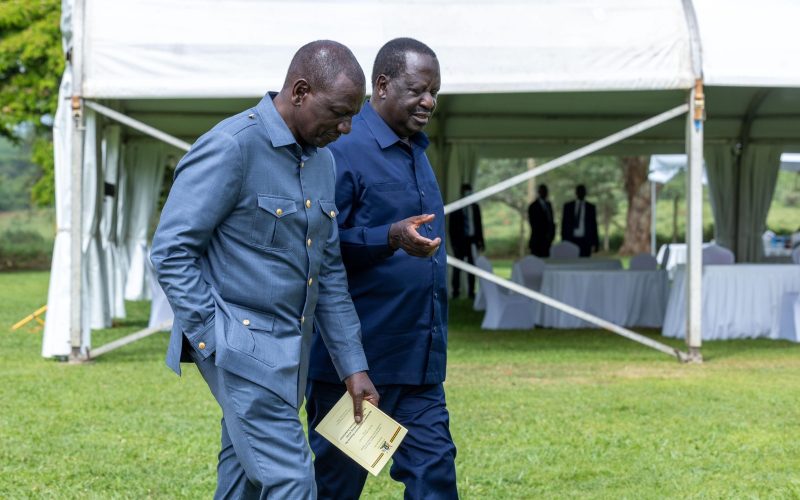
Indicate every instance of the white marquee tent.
{"type": "Point", "coordinates": [520, 78]}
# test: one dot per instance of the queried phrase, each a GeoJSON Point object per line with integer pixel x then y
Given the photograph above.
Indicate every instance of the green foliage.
{"type": "Point", "coordinates": [535, 414]}
{"type": "Point", "coordinates": [17, 175]}
{"type": "Point", "coordinates": [24, 249]}
{"type": "Point", "coordinates": [43, 192]}
{"type": "Point", "coordinates": [31, 64]}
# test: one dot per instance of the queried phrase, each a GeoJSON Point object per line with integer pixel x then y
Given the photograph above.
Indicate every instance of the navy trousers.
{"type": "Point", "coordinates": [424, 462]}
{"type": "Point", "coordinates": [263, 450]}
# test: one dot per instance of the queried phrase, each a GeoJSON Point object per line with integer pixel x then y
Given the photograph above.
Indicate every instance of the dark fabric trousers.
{"type": "Point", "coordinates": [463, 252]}
{"type": "Point", "coordinates": [424, 462]}
{"type": "Point", "coordinates": [263, 448]}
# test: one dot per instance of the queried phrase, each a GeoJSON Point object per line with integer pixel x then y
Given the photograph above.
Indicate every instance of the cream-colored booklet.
{"type": "Point", "coordinates": [370, 443]}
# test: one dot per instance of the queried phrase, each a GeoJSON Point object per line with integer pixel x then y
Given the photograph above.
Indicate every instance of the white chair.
{"type": "Point", "coordinates": [505, 310]}
{"type": "Point", "coordinates": [643, 262]}
{"type": "Point", "coordinates": [715, 255]}
{"type": "Point", "coordinates": [796, 255]}
{"type": "Point", "coordinates": [531, 270]}
{"type": "Point", "coordinates": [565, 250]}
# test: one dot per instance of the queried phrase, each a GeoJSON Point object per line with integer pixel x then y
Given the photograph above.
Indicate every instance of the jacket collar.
{"type": "Point", "coordinates": [385, 136]}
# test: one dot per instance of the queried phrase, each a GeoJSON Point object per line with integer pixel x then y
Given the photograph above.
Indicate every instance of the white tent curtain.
{"type": "Point", "coordinates": [722, 179]}
{"type": "Point", "coordinates": [110, 219]}
{"type": "Point", "coordinates": [758, 175]}
{"type": "Point", "coordinates": [94, 272]}
{"type": "Point", "coordinates": [121, 233]}
{"type": "Point", "coordinates": [144, 170]}
{"type": "Point", "coordinates": [748, 185]}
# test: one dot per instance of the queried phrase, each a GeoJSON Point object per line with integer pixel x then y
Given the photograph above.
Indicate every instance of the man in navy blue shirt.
{"type": "Point", "coordinates": [391, 226]}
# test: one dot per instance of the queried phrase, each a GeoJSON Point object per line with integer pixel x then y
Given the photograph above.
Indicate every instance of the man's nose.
{"type": "Point", "coordinates": [428, 101]}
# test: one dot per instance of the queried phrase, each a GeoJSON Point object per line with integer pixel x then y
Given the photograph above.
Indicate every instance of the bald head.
{"type": "Point", "coordinates": [321, 62]}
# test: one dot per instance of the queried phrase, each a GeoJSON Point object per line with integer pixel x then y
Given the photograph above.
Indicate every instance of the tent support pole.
{"type": "Point", "coordinates": [694, 227]}
{"type": "Point", "coordinates": [137, 125]}
{"type": "Point", "coordinates": [77, 347]}
{"type": "Point", "coordinates": [548, 301]}
{"type": "Point", "coordinates": [567, 158]}
{"type": "Point", "coordinates": [129, 339]}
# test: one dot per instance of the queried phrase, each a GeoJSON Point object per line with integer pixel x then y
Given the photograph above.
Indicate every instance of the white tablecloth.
{"type": "Point", "coordinates": [626, 298]}
{"type": "Point", "coordinates": [739, 301]}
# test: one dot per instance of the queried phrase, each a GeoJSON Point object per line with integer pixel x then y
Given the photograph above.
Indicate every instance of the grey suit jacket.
{"type": "Point", "coordinates": [247, 252]}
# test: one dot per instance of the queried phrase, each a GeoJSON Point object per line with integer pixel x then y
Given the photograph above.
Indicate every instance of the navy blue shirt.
{"type": "Point", "coordinates": [401, 300]}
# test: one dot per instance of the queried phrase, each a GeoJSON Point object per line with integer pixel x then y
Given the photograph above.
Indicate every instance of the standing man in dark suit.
{"type": "Point", "coordinates": [391, 222]}
{"type": "Point", "coordinates": [543, 228]}
{"type": "Point", "coordinates": [466, 229]}
{"type": "Point", "coordinates": [579, 223]}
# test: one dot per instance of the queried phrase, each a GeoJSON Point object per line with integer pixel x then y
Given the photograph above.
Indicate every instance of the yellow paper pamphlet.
{"type": "Point", "coordinates": [370, 443]}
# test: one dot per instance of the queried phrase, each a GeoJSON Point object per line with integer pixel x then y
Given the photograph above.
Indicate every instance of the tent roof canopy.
{"type": "Point", "coordinates": [553, 75]}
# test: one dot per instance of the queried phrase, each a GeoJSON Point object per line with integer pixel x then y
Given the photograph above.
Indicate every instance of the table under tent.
{"type": "Point", "coordinates": [520, 79]}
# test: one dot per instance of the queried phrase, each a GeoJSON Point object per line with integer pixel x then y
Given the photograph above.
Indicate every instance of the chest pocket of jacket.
{"type": "Point", "coordinates": [271, 224]}
{"type": "Point", "coordinates": [329, 213]}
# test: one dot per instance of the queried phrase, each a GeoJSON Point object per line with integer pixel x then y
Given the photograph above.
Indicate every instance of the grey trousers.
{"type": "Point", "coordinates": [264, 452]}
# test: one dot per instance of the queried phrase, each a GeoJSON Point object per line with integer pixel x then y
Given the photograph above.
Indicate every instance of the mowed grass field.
{"type": "Point", "coordinates": [535, 414]}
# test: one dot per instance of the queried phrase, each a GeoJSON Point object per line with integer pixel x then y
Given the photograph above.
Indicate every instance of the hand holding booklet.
{"type": "Point", "coordinates": [371, 443]}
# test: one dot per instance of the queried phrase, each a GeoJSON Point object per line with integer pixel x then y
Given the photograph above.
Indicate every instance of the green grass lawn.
{"type": "Point", "coordinates": [537, 414]}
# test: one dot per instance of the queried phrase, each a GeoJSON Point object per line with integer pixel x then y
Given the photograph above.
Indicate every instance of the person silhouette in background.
{"type": "Point", "coordinates": [543, 228]}
{"type": "Point", "coordinates": [579, 223]}
{"type": "Point", "coordinates": [466, 230]}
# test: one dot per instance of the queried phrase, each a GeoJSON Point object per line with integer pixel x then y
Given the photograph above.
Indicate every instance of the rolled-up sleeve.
{"type": "Point", "coordinates": [206, 187]}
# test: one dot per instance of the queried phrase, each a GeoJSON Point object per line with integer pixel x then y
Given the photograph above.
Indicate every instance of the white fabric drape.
{"type": "Point", "coordinates": [748, 185]}
{"type": "Point", "coordinates": [95, 278]}
{"type": "Point", "coordinates": [145, 169]}
{"type": "Point", "coordinates": [110, 219]}
{"type": "Point", "coordinates": [758, 176]}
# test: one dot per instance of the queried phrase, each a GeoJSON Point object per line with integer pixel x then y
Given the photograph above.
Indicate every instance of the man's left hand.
{"type": "Point", "coordinates": [360, 388]}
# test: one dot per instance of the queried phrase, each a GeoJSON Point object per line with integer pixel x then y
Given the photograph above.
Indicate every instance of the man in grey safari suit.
{"type": "Point", "coordinates": [247, 252]}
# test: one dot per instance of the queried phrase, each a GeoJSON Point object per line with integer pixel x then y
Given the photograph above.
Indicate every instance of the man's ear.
{"type": "Point", "coordinates": [381, 85]}
{"type": "Point", "coordinates": [300, 91]}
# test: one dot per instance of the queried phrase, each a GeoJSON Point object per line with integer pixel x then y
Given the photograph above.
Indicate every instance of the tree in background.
{"type": "Point", "coordinates": [31, 63]}
{"type": "Point", "coordinates": [637, 189]}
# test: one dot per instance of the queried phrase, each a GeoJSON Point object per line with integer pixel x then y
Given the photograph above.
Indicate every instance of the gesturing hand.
{"type": "Point", "coordinates": [360, 388]}
{"type": "Point", "coordinates": [403, 234]}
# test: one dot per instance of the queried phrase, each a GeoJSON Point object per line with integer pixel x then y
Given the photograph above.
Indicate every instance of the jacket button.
{"type": "Point", "coordinates": [302, 319]}
{"type": "Point", "coordinates": [302, 164]}
{"type": "Point", "coordinates": [246, 322]}
{"type": "Point", "coordinates": [308, 203]}
{"type": "Point", "coordinates": [201, 345]}
{"type": "Point", "coordinates": [333, 214]}
{"type": "Point", "coordinates": [308, 242]}
{"type": "Point", "coordinates": [279, 211]}
{"type": "Point", "coordinates": [310, 280]}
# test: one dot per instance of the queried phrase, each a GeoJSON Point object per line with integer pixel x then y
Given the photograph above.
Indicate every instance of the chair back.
{"type": "Point", "coordinates": [565, 250]}
{"type": "Point", "coordinates": [715, 255]}
{"type": "Point", "coordinates": [643, 262]}
{"type": "Point", "coordinates": [664, 259]}
{"type": "Point", "coordinates": [532, 270]}
{"type": "Point", "coordinates": [796, 255]}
